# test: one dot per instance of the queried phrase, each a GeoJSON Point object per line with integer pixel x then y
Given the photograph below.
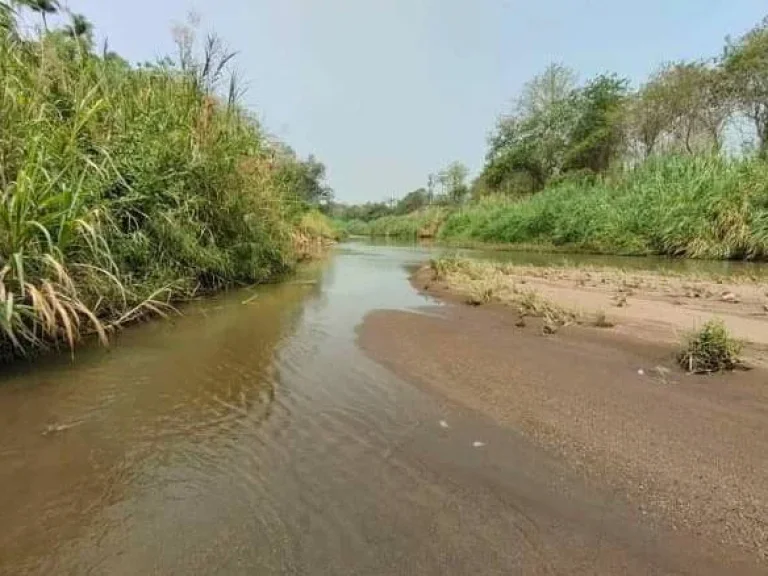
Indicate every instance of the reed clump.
{"type": "Point", "coordinates": [124, 189]}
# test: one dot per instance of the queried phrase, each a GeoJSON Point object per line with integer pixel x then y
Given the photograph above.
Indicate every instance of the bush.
{"type": "Point", "coordinates": [711, 349]}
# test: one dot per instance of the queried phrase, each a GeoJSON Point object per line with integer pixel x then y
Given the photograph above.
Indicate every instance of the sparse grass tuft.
{"type": "Point", "coordinates": [601, 320]}
{"type": "Point", "coordinates": [531, 303]}
{"type": "Point", "coordinates": [710, 349]}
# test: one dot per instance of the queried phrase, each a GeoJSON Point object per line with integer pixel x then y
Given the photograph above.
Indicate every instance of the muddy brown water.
{"type": "Point", "coordinates": [252, 436]}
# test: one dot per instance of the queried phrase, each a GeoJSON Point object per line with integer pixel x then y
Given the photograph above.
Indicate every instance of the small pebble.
{"type": "Point", "coordinates": [641, 372]}
{"type": "Point", "coordinates": [478, 444]}
{"type": "Point", "coordinates": [443, 424]}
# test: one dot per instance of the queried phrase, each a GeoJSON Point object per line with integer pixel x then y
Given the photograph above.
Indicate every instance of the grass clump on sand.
{"type": "Point", "coordinates": [485, 282]}
{"type": "Point", "coordinates": [125, 188]}
{"type": "Point", "coordinates": [601, 320]}
{"type": "Point", "coordinates": [532, 304]}
{"type": "Point", "coordinates": [710, 349]}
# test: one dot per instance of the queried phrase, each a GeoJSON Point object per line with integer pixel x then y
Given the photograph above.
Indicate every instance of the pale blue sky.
{"type": "Point", "coordinates": [386, 91]}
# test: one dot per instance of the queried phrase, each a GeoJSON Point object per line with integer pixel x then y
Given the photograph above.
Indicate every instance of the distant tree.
{"type": "Point", "coordinates": [546, 90]}
{"type": "Point", "coordinates": [456, 175]}
{"type": "Point", "coordinates": [648, 117]}
{"type": "Point", "coordinates": [534, 146]}
{"type": "Point", "coordinates": [452, 181]}
{"type": "Point", "coordinates": [596, 137]}
{"type": "Point", "coordinates": [530, 145]}
{"type": "Point", "coordinates": [431, 183]}
{"type": "Point", "coordinates": [305, 178]}
{"type": "Point", "coordinates": [746, 65]}
{"type": "Point", "coordinates": [413, 201]}
{"type": "Point", "coordinates": [696, 101]}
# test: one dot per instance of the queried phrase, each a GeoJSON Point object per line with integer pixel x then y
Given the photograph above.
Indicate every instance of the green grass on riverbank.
{"type": "Point", "coordinates": [423, 223]}
{"type": "Point", "coordinates": [694, 207]}
{"type": "Point", "coordinates": [123, 189]}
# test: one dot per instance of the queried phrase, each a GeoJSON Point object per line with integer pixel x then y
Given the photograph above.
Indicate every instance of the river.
{"type": "Point", "coordinates": [251, 436]}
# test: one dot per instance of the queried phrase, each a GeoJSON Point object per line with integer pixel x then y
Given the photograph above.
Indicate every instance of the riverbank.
{"type": "Point", "coordinates": [652, 306]}
{"type": "Point", "coordinates": [681, 206]}
{"type": "Point", "coordinates": [125, 189]}
{"type": "Point", "coordinates": [686, 451]}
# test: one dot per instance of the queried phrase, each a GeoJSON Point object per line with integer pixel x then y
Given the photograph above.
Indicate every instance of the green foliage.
{"type": "Point", "coordinates": [413, 201]}
{"type": "Point", "coordinates": [315, 224]}
{"type": "Point", "coordinates": [596, 137]}
{"type": "Point", "coordinates": [123, 189]}
{"type": "Point", "coordinates": [423, 223]}
{"type": "Point", "coordinates": [711, 349]}
{"type": "Point", "coordinates": [698, 207]}
{"type": "Point", "coordinates": [746, 63]}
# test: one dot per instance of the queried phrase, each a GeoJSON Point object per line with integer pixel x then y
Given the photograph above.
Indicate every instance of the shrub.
{"type": "Point", "coordinates": [711, 349]}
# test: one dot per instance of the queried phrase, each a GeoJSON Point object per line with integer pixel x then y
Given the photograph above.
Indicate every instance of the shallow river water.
{"type": "Point", "coordinates": [252, 436]}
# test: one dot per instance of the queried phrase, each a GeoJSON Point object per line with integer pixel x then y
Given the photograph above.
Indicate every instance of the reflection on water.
{"type": "Point", "coordinates": [157, 448]}
{"type": "Point", "coordinates": [659, 263]}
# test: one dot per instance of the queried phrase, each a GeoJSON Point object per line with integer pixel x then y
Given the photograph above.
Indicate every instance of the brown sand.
{"type": "Point", "coordinates": [690, 452]}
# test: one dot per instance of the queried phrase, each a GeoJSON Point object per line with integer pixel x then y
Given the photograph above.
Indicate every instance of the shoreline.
{"type": "Point", "coordinates": [688, 451]}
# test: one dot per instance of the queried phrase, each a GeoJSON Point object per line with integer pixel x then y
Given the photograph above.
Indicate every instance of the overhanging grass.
{"type": "Point", "coordinates": [124, 189]}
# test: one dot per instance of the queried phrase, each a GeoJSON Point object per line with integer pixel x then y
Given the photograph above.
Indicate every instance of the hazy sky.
{"type": "Point", "coordinates": [386, 91]}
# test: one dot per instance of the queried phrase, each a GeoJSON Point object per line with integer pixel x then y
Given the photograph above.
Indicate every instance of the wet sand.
{"type": "Point", "coordinates": [687, 454]}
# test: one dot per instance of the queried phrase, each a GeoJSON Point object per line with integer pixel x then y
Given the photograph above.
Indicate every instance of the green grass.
{"type": "Point", "coordinates": [123, 190]}
{"type": "Point", "coordinates": [423, 223]}
{"type": "Point", "coordinates": [315, 224]}
{"type": "Point", "coordinates": [695, 207]}
{"type": "Point", "coordinates": [710, 349]}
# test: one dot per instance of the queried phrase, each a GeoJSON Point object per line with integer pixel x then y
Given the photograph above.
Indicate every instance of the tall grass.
{"type": "Point", "coordinates": [124, 189]}
{"type": "Point", "coordinates": [423, 223]}
{"type": "Point", "coordinates": [696, 207]}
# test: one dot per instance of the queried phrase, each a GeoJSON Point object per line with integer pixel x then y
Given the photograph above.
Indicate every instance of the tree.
{"type": "Point", "coordinates": [529, 146]}
{"type": "Point", "coordinates": [596, 137]}
{"type": "Point", "coordinates": [746, 64]}
{"type": "Point", "coordinates": [80, 28]}
{"type": "Point", "coordinates": [305, 178]}
{"type": "Point", "coordinates": [42, 7]}
{"type": "Point", "coordinates": [413, 201]}
{"type": "Point", "coordinates": [648, 117]}
{"type": "Point", "coordinates": [431, 182]}
{"type": "Point", "coordinates": [532, 145]}
{"type": "Point", "coordinates": [453, 183]}
{"type": "Point", "coordinates": [546, 90]}
{"type": "Point", "coordinates": [696, 100]}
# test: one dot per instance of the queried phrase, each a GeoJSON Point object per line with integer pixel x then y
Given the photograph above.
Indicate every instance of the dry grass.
{"type": "Point", "coordinates": [601, 320]}
{"type": "Point", "coordinates": [483, 283]}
